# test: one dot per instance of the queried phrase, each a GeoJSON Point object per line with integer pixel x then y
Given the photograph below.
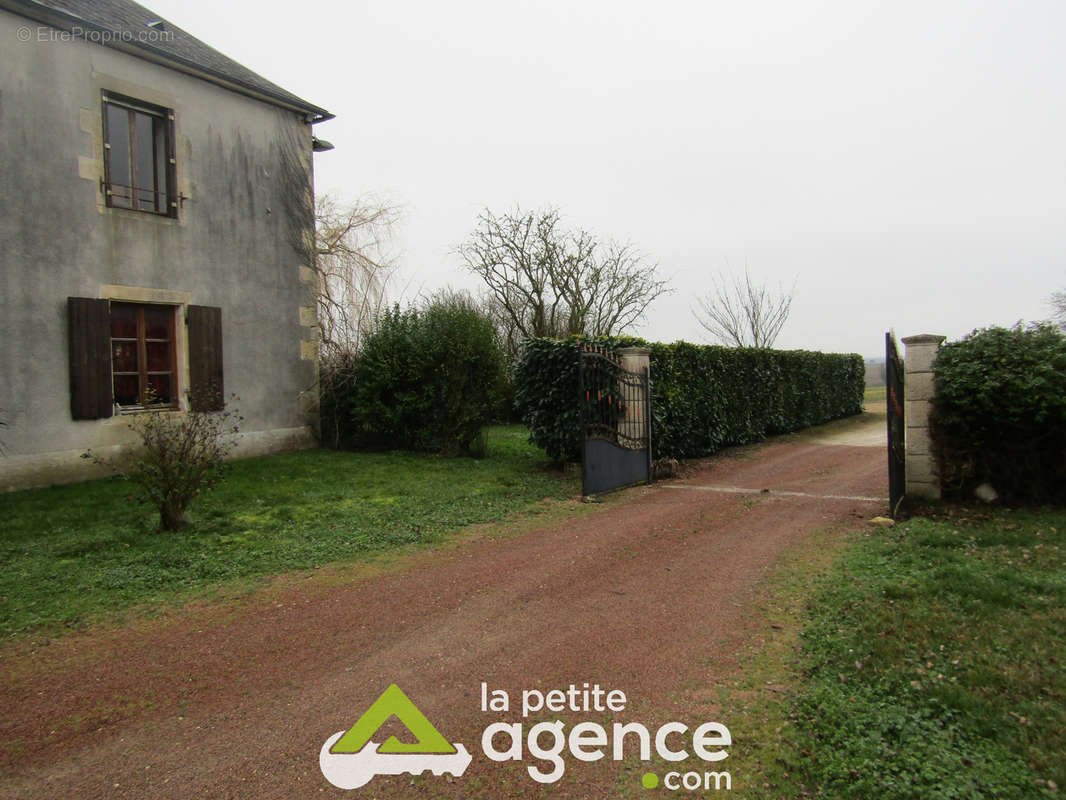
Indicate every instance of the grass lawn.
{"type": "Point", "coordinates": [875, 395]}
{"type": "Point", "coordinates": [71, 553]}
{"type": "Point", "coordinates": [931, 664]}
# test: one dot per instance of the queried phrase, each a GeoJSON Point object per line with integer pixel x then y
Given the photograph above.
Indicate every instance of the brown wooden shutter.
{"type": "Point", "coordinates": [89, 328]}
{"type": "Point", "coordinates": [206, 390]}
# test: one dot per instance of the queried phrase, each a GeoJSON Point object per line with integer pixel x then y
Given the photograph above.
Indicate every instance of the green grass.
{"type": "Point", "coordinates": [932, 666]}
{"type": "Point", "coordinates": [74, 553]}
{"type": "Point", "coordinates": [875, 394]}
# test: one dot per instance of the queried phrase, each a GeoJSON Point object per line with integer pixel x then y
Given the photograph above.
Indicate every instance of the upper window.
{"type": "Point", "coordinates": [142, 355]}
{"type": "Point", "coordinates": [139, 156]}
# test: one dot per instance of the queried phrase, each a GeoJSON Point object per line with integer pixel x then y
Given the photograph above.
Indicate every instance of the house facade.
{"type": "Point", "coordinates": [156, 237]}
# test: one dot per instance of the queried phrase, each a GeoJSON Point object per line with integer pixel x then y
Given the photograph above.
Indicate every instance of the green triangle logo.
{"type": "Point", "coordinates": [393, 702]}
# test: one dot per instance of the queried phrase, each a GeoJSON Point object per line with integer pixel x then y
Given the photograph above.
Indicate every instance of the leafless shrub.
{"type": "Point", "coordinates": [179, 456]}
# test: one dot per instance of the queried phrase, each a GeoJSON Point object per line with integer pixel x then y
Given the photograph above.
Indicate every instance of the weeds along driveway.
{"type": "Point", "coordinates": [652, 594]}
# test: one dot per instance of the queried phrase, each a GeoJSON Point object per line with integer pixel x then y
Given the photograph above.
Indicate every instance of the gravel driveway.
{"type": "Point", "coordinates": [650, 594]}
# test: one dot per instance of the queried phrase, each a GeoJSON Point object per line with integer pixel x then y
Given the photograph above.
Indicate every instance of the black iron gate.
{"type": "Point", "coordinates": [616, 422]}
{"type": "Point", "coordinates": [897, 479]}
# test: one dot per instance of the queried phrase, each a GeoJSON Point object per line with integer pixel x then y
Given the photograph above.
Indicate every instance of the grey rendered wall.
{"type": "Point", "coordinates": [232, 245]}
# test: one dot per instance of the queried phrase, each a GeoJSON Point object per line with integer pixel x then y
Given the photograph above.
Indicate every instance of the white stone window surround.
{"type": "Point", "coordinates": [178, 299]}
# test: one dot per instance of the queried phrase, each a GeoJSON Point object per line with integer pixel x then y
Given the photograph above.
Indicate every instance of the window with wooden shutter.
{"type": "Point", "coordinates": [124, 357]}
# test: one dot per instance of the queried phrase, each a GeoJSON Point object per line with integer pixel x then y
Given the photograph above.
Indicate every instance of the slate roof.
{"type": "Point", "coordinates": [126, 21]}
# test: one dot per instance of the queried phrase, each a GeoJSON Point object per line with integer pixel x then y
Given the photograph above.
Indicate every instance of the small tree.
{"type": "Point", "coordinates": [180, 456]}
{"type": "Point", "coordinates": [353, 270]}
{"type": "Point", "coordinates": [547, 281]}
{"type": "Point", "coordinates": [352, 276]}
{"type": "Point", "coordinates": [1057, 301]}
{"type": "Point", "coordinates": [740, 313]}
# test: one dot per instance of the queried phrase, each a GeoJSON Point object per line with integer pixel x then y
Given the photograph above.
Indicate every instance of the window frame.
{"type": "Point", "coordinates": [165, 185]}
{"type": "Point", "coordinates": [143, 373]}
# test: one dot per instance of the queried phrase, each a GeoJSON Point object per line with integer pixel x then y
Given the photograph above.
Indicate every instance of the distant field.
{"type": "Point", "coordinates": [874, 394]}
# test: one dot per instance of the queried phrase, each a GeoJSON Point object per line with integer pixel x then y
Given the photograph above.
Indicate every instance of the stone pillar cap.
{"type": "Point", "coordinates": [923, 338]}
{"type": "Point", "coordinates": [638, 351]}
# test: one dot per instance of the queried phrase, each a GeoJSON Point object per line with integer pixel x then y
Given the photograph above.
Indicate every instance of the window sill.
{"type": "Point", "coordinates": [142, 213]}
{"type": "Point", "coordinates": [123, 411]}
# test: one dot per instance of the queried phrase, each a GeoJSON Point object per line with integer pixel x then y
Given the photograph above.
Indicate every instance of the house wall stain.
{"type": "Point", "coordinates": [231, 246]}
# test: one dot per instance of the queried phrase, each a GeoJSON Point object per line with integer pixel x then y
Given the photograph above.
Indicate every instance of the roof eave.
{"type": "Point", "coordinates": [144, 50]}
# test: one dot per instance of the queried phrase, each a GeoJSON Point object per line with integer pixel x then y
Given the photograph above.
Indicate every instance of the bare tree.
{"type": "Point", "coordinates": [1057, 301]}
{"type": "Point", "coordinates": [510, 337]}
{"type": "Point", "coordinates": [343, 243]}
{"type": "Point", "coordinates": [544, 280]}
{"type": "Point", "coordinates": [741, 313]}
{"type": "Point", "coordinates": [353, 269]}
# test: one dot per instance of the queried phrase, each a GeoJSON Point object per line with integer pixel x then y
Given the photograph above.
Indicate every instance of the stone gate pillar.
{"type": "Point", "coordinates": [634, 359]}
{"type": "Point", "coordinates": [923, 477]}
{"type": "Point", "coordinates": [635, 424]}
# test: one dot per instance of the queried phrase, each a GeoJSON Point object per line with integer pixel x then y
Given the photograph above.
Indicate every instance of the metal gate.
{"type": "Point", "coordinates": [897, 479]}
{"type": "Point", "coordinates": [616, 422]}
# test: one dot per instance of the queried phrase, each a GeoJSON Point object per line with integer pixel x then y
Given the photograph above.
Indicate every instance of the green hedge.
{"type": "Point", "coordinates": [703, 398]}
{"type": "Point", "coordinates": [999, 412]}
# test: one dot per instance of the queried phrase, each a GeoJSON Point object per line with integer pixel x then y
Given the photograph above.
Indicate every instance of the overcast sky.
{"type": "Point", "coordinates": [904, 162]}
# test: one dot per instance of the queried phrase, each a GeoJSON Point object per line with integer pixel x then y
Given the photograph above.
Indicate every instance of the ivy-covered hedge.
{"type": "Point", "coordinates": [704, 398]}
{"type": "Point", "coordinates": [999, 412]}
{"type": "Point", "coordinates": [545, 387]}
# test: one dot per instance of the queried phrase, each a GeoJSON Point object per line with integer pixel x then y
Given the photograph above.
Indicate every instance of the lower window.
{"type": "Point", "coordinates": [123, 356]}
{"type": "Point", "coordinates": [142, 356]}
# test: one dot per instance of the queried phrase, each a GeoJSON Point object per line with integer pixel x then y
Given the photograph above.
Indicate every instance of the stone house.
{"type": "Point", "coordinates": [156, 233]}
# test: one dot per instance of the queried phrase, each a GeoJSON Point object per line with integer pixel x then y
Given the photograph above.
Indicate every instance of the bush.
{"type": "Point", "coordinates": [180, 456]}
{"type": "Point", "coordinates": [424, 380]}
{"type": "Point", "coordinates": [999, 412]}
{"type": "Point", "coordinates": [336, 395]}
{"type": "Point", "coordinates": [703, 398]}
